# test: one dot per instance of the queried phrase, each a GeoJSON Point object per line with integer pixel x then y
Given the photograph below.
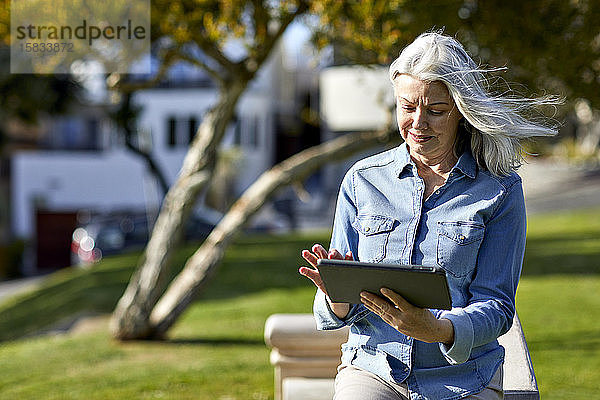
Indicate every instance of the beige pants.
{"type": "Point", "coordinates": [352, 383]}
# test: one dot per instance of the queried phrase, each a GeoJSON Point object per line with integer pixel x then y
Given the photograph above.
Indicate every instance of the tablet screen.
{"type": "Point", "coordinates": [422, 286]}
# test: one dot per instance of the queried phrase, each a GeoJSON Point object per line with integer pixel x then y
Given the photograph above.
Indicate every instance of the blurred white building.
{"type": "Point", "coordinates": [80, 161]}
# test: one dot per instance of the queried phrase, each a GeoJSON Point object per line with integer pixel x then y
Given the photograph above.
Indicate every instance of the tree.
{"type": "Point", "coordinates": [548, 45]}
{"type": "Point", "coordinates": [258, 25]}
{"type": "Point", "coordinates": [207, 27]}
{"type": "Point", "coordinates": [364, 31]}
{"type": "Point", "coordinates": [551, 45]}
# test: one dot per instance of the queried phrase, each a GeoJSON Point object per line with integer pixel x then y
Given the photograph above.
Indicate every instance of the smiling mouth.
{"type": "Point", "coordinates": [420, 138]}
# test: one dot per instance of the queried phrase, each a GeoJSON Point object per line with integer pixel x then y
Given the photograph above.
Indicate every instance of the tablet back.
{"type": "Point", "coordinates": [424, 287]}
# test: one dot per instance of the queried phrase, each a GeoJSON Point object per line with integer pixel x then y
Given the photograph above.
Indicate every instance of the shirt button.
{"type": "Point", "coordinates": [367, 229]}
{"type": "Point", "coordinates": [437, 192]}
{"type": "Point", "coordinates": [462, 237]}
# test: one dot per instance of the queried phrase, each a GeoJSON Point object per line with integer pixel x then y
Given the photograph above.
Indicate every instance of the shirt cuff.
{"type": "Point", "coordinates": [460, 350]}
{"type": "Point", "coordinates": [324, 316]}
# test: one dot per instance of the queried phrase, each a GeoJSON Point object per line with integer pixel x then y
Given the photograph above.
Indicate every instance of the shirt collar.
{"type": "Point", "coordinates": [466, 163]}
{"type": "Point", "coordinates": [403, 160]}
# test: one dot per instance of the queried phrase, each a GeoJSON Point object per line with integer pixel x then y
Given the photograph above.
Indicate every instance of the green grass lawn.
{"type": "Point", "coordinates": [216, 350]}
{"type": "Point", "coordinates": [558, 301]}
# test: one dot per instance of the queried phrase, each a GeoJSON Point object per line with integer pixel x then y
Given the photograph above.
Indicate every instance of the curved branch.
{"type": "Point", "coordinates": [210, 48]}
{"type": "Point", "coordinates": [171, 56]}
{"type": "Point", "coordinates": [200, 64]}
{"type": "Point", "coordinates": [201, 266]}
{"type": "Point", "coordinates": [284, 22]}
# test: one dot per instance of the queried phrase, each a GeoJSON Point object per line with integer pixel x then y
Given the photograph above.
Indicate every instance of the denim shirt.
{"type": "Point", "coordinates": [473, 227]}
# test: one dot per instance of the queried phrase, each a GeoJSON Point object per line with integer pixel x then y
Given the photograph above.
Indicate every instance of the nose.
{"type": "Point", "coordinates": [419, 121]}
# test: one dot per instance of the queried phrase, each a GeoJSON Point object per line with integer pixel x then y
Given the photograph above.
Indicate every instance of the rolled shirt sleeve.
{"type": "Point", "coordinates": [326, 318]}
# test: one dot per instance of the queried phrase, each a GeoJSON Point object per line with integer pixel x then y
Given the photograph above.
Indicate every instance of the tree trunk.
{"type": "Point", "coordinates": [202, 264]}
{"type": "Point", "coordinates": [130, 319]}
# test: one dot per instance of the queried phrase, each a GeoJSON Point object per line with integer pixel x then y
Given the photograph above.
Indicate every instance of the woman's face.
{"type": "Point", "coordinates": [427, 117]}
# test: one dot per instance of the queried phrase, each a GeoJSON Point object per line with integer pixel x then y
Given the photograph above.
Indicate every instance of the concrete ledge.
{"type": "Point", "coordinates": [297, 335]}
{"type": "Point", "coordinates": [519, 378]}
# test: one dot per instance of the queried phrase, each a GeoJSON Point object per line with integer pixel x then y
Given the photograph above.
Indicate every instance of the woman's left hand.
{"type": "Point", "coordinates": [419, 323]}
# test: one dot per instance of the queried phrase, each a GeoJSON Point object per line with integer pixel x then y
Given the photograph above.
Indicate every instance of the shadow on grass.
{"type": "Point", "coordinates": [215, 341]}
{"type": "Point", "coordinates": [588, 340]}
{"type": "Point", "coordinates": [562, 255]}
{"type": "Point", "coordinates": [252, 265]}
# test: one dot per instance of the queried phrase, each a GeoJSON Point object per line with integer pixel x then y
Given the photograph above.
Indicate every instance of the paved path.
{"type": "Point", "coordinates": [551, 186]}
{"type": "Point", "coordinates": [15, 286]}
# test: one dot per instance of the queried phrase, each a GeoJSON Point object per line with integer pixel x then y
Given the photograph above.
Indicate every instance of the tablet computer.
{"type": "Point", "coordinates": [424, 287]}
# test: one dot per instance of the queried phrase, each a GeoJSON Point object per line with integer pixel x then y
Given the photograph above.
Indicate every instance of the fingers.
{"type": "Point", "coordinates": [387, 311]}
{"type": "Point", "coordinates": [311, 274]}
{"type": "Point", "coordinates": [396, 299]}
{"type": "Point", "coordinates": [310, 257]}
{"type": "Point", "coordinates": [415, 322]}
{"type": "Point", "coordinates": [314, 276]}
{"type": "Point", "coordinates": [334, 254]}
{"type": "Point", "coordinates": [319, 251]}
{"type": "Point", "coordinates": [376, 303]}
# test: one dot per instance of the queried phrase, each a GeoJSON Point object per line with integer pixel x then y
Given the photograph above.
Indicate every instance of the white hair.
{"type": "Point", "coordinates": [495, 123]}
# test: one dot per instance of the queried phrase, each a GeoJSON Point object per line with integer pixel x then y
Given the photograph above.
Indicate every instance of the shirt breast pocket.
{"type": "Point", "coordinates": [458, 245]}
{"type": "Point", "coordinates": [374, 232]}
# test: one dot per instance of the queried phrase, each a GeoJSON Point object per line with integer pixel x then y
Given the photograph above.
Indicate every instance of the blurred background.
{"type": "Point", "coordinates": [78, 183]}
{"type": "Point", "coordinates": [88, 156]}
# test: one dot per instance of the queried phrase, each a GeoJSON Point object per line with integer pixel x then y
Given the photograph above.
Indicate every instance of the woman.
{"type": "Point", "coordinates": [447, 196]}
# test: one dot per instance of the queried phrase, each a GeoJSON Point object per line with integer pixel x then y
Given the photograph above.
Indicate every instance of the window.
{"type": "Point", "coordinates": [181, 131]}
{"type": "Point", "coordinates": [192, 128]}
{"type": "Point", "coordinates": [252, 133]}
{"type": "Point", "coordinates": [248, 133]}
{"type": "Point", "coordinates": [73, 133]}
{"type": "Point", "coordinates": [172, 131]}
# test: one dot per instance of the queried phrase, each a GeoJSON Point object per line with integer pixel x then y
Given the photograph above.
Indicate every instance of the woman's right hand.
{"type": "Point", "coordinates": [319, 252]}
